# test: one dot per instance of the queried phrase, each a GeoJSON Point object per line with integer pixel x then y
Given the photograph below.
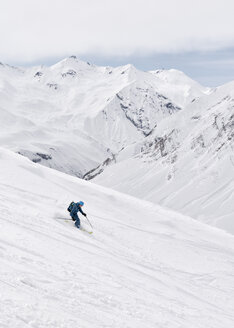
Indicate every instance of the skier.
{"type": "Point", "coordinates": [74, 213]}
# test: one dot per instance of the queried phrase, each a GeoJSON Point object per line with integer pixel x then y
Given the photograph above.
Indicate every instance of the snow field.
{"type": "Point", "coordinates": [144, 266]}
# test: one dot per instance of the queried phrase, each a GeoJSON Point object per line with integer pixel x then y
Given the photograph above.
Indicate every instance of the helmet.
{"type": "Point", "coordinates": [81, 203]}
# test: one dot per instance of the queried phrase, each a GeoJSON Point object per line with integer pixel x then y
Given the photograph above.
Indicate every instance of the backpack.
{"type": "Point", "coordinates": [70, 206]}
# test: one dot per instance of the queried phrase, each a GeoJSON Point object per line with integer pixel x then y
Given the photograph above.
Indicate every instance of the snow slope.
{"type": "Point", "coordinates": [187, 163]}
{"type": "Point", "coordinates": [179, 87]}
{"type": "Point", "coordinates": [144, 266]}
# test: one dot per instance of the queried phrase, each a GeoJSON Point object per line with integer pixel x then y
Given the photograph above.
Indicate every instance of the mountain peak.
{"type": "Point", "coordinates": [72, 62]}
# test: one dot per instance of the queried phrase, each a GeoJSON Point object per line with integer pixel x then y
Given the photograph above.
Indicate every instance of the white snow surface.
{"type": "Point", "coordinates": [144, 266]}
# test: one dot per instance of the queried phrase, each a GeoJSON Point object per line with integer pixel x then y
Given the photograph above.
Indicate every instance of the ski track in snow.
{"type": "Point", "coordinates": [144, 266]}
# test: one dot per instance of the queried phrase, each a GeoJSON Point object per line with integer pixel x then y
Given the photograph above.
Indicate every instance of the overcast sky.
{"type": "Point", "coordinates": [196, 36]}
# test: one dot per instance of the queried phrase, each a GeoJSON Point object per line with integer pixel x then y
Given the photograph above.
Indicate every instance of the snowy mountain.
{"type": "Point", "coordinates": [187, 163]}
{"type": "Point", "coordinates": [157, 135]}
{"type": "Point", "coordinates": [144, 266]}
{"type": "Point", "coordinates": [72, 116]}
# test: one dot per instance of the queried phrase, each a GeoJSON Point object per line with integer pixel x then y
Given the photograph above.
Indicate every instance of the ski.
{"type": "Point", "coordinates": [82, 229]}
{"type": "Point", "coordinates": [90, 232]}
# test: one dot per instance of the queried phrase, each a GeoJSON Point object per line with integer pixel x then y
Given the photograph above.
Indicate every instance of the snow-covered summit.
{"type": "Point", "coordinates": [72, 63]}
{"type": "Point", "coordinates": [180, 87]}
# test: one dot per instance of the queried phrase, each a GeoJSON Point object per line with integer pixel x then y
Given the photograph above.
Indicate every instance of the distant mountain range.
{"type": "Point", "coordinates": [156, 135]}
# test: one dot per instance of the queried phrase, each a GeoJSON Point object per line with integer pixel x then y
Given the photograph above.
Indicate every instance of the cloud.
{"type": "Point", "coordinates": [33, 29]}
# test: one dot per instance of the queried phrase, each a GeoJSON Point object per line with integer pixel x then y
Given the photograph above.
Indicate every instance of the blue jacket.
{"type": "Point", "coordinates": [75, 209]}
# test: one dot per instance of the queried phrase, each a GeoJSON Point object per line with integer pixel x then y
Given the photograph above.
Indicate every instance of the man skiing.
{"type": "Point", "coordinates": [77, 207]}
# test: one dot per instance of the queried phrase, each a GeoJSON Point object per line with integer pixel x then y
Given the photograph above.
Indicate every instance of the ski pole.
{"type": "Point", "coordinates": [89, 222]}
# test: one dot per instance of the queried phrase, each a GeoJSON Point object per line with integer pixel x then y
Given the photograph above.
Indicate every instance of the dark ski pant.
{"type": "Point", "coordinates": [76, 218]}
